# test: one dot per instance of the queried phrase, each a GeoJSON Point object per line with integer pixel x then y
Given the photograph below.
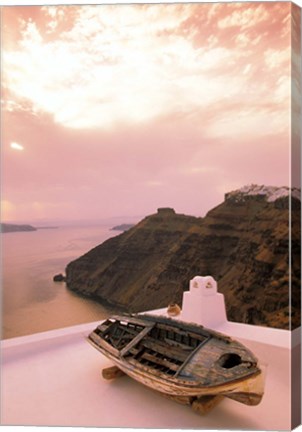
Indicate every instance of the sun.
{"type": "Point", "coordinates": [16, 146]}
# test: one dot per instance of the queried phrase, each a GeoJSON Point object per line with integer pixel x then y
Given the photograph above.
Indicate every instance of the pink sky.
{"type": "Point", "coordinates": [120, 109]}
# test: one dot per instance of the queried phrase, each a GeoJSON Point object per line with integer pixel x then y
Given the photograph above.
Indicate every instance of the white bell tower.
{"type": "Point", "coordinates": [203, 304]}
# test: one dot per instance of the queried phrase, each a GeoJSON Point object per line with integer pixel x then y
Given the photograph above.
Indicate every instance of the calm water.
{"type": "Point", "coordinates": [31, 301]}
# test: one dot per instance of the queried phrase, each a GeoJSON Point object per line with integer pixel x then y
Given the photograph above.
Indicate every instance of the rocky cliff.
{"type": "Point", "coordinates": [243, 243]}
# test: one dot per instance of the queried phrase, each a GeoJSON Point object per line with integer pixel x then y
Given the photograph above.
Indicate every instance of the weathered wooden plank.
{"type": "Point", "coordinates": [135, 340]}
{"type": "Point", "coordinates": [133, 320]}
{"type": "Point", "coordinates": [191, 355]}
{"type": "Point", "coordinates": [112, 372]}
{"type": "Point", "coordinates": [131, 331]}
{"type": "Point", "coordinates": [160, 319]}
{"type": "Point", "coordinates": [159, 361]}
{"type": "Point", "coordinates": [124, 337]}
{"type": "Point", "coordinates": [205, 365]}
{"type": "Point", "coordinates": [204, 404]}
{"type": "Point", "coordinates": [161, 348]}
{"type": "Point", "coordinates": [246, 398]}
{"type": "Point", "coordinates": [178, 344]}
{"type": "Point", "coordinates": [111, 328]}
{"type": "Point", "coordinates": [133, 351]}
{"type": "Point", "coordinates": [195, 329]}
{"type": "Point", "coordinates": [98, 342]}
{"type": "Point", "coordinates": [184, 332]}
{"type": "Point", "coordinates": [183, 400]}
{"type": "Point", "coordinates": [102, 327]}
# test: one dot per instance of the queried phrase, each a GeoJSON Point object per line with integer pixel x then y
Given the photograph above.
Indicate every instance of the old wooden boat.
{"type": "Point", "coordinates": [180, 359]}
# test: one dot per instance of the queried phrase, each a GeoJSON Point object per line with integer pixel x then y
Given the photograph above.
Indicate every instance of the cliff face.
{"type": "Point", "coordinates": [124, 270]}
{"type": "Point", "coordinates": [243, 243]}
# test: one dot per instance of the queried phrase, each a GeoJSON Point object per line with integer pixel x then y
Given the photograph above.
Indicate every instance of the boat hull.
{"type": "Point", "coordinates": [248, 391]}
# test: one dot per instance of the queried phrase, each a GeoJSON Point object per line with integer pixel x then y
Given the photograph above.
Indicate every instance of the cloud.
{"type": "Point", "coordinates": [274, 59]}
{"type": "Point", "coordinates": [125, 108]}
{"type": "Point", "coordinates": [239, 124]}
{"type": "Point", "coordinates": [245, 18]}
{"type": "Point", "coordinates": [90, 78]}
{"type": "Point", "coordinates": [106, 67]}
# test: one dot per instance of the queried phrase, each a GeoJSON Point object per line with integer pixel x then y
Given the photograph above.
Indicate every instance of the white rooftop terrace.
{"type": "Point", "coordinates": [54, 378]}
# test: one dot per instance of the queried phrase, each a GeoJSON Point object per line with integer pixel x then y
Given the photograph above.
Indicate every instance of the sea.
{"type": "Point", "coordinates": [31, 301]}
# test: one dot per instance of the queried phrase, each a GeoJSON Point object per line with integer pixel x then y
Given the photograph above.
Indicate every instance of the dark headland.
{"type": "Point", "coordinates": [243, 243]}
{"type": "Point", "coordinates": [6, 228]}
{"type": "Point", "coordinates": [122, 227]}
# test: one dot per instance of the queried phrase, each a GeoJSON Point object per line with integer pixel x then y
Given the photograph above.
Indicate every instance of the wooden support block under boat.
{"type": "Point", "coordinates": [112, 372]}
{"type": "Point", "coordinates": [204, 404]}
{"type": "Point", "coordinates": [183, 400]}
